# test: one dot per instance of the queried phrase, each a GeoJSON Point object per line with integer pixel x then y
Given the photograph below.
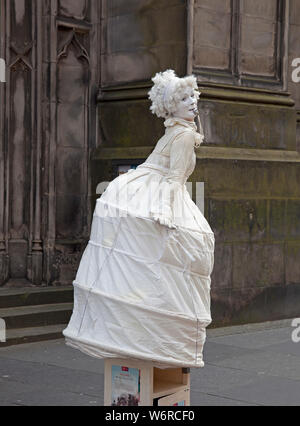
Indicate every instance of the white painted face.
{"type": "Point", "coordinates": [187, 107]}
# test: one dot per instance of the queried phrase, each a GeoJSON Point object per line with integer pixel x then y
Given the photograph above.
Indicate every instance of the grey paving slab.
{"type": "Point", "coordinates": [213, 379]}
{"type": "Point", "coordinates": [10, 404]}
{"type": "Point", "coordinates": [17, 393]}
{"type": "Point", "coordinates": [257, 340]}
{"type": "Point", "coordinates": [200, 399]}
{"type": "Point", "coordinates": [54, 352]}
{"type": "Point", "coordinates": [268, 363]}
{"type": "Point", "coordinates": [287, 348]}
{"type": "Point", "coordinates": [269, 391]}
{"type": "Point", "coordinates": [217, 352]}
{"type": "Point", "coordinates": [248, 328]}
{"type": "Point", "coordinates": [61, 379]}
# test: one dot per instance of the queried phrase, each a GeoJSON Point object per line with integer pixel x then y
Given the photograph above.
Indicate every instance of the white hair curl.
{"type": "Point", "coordinates": [167, 91]}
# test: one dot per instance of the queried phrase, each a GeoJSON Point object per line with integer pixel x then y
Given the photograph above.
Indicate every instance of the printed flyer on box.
{"type": "Point", "coordinates": [125, 384]}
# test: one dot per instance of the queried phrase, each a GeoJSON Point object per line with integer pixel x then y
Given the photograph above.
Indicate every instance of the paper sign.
{"type": "Point", "coordinates": [125, 386]}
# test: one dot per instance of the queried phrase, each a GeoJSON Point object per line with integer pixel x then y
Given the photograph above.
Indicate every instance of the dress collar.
{"type": "Point", "coordinates": [170, 122]}
{"type": "Point", "coordinates": [173, 121]}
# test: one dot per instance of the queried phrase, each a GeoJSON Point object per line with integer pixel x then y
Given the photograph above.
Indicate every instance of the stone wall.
{"type": "Point", "coordinates": [48, 128]}
{"type": "Point", "coordinates": [250, 164]}
{"type": "Point", "coordinates": [139, 37]}
{"type": "Point", "coordinates": [294, 52]}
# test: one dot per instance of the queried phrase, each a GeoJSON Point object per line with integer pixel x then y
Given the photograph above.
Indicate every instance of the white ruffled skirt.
{"type": "Point", "coordinates": [142, 290]}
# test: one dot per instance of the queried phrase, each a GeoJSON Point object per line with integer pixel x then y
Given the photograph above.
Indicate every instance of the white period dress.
{"type": "Point", "coordinates": [142, 290]}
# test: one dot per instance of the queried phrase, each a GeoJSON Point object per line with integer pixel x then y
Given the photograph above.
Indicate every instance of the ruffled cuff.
{"type": "Point", "coordinates": [164, 216]}
{"type": "Point", "coordinates": [198, 140]}
{"type": "Point", "coordinates": [162, 209]}
{"type": "Point", "coordinates": [165, 221]}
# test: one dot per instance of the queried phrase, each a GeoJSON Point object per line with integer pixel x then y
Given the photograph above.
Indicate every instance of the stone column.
{"type": "Point", "coordinates": [3, 239]}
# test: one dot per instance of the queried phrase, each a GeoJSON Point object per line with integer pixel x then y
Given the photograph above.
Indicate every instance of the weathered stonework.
{"type": "Point", "coordinates": [48, 128]}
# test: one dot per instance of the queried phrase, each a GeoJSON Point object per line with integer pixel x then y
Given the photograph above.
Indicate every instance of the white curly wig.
{"type": "Point", "coordinates": [168, 90]}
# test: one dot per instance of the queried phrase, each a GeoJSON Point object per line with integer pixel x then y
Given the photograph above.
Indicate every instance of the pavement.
{"type": "Point", "coordinates": [252, 365]}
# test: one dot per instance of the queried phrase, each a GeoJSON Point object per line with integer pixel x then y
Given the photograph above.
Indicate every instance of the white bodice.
{"type": "Point", "coordinates": [174, 154]}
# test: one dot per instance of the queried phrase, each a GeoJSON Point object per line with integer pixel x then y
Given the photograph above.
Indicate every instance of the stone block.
{"type": "Point", "coordinates": [71, 122]}
{"type": "Point", "coordinates": [294, 12]}
{"type": "Point", "coordinates": [155, 31]}
{"type": "Point", "coordinates": [18, 258]}
{"type": "Point", "coordinates": [121, 7]}
{"type": "Point", "coordinates": [254, 305]}
{"type": "Point", "coordinates": [220, 7]}
{"type": "Point", "coordinates": [70, 171]}
{"type": "Point", "coordinates": [70, 218]}
{"type": "Point", "coordinates": [71, 90]}
{"type": "Point", "coordinates": [258, 8]}
{"type": "Point", "coordinates": [237, 306]}
{"type": "Point", "coordinates": [123, 34]}
{"type": "Point", "coordinates": [282, 178]}
{"type": "Point", "coordinates": [258, 265]}
{"type": "Point", "coordinates": [239, 220]}
{"type": "Point", "coordinates": [250, 179]}
{"type": "Point", "coordinates": [71, 9]}
{"type": "Point", "coordinates": [277, 227]}
{"type": "Point", "coordinates": [211, 57]}
{"type": "Point", "coordinates": [124, 67]}
{"type": "Point", "coordinates": [258, 36]}
{"type": "Point", "coordinates": [293, 220]}
{"type": "Point", "coordinates": [225, 179]}
{"type": "Point", "coordinates": [260, 65]}
{"type": "Point", "coordinates": [137, 45]}
{"type": "Point", "coordinates": [129, 124]}
{"type": "Point", "coordinates": [124, 7]}
{"type": "Point", "coordinates": [293, 263]}
{"type": "Point", "coordinates": [248, 125]}
{"type": "Point", "coordinates": [294, 35]}
{"type": "Point", "coordinates": [212, 28]}
{"type": "Point", "coordinates": [4, 268]}
{"type": "Point", "coordinates": [222, 273]}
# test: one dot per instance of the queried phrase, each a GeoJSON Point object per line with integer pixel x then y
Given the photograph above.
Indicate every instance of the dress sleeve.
{"type": "Point", "coordinates": [181, 156]}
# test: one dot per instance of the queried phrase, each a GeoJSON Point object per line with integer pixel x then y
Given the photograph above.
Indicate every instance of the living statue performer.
{"type": "Point", "coordinates": [142, 290]}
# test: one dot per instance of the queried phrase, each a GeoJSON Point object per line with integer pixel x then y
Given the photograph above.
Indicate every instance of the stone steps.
{"type": "Point", "coordinates": [33, 314]}
{"type": "Point", "coordinates": [10, 298]}
{"type": "Point", "coordinates": [33, 334]}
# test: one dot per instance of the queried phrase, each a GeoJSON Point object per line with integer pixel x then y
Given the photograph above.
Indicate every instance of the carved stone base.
{"type": "Point", "coordinates": [35, 268]}
{"type": "Point", "coordinates": [4, 265]}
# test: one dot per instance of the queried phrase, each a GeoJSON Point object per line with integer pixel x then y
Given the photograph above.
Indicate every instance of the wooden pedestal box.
{"type": "Point", "coordinates": [138, 383]}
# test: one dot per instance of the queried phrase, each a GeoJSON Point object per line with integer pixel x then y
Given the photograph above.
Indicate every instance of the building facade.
{"type": "Point", "coordinates": [74, 108]}
{"type": "Point", "coordinates": [48, 130]}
